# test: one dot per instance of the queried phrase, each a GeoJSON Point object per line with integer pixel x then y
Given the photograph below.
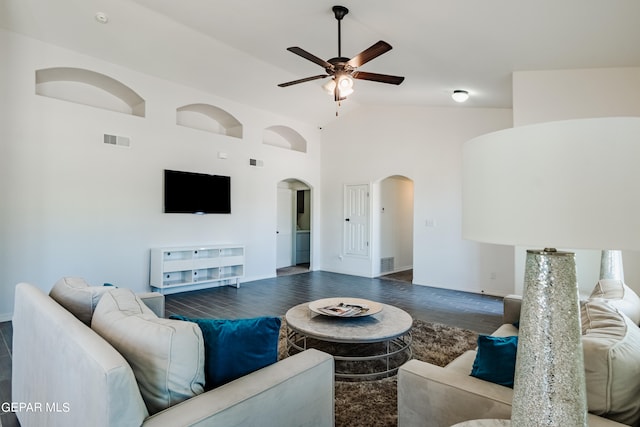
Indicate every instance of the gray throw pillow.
{"type": "Point", "coordinates": [78, 297]}
{"type": "Point", "coordinates": [620, 296]}
{"type": "Point", "coordinates": [611, 343]}
{"type": "Point", "coordinates": [167, 356]}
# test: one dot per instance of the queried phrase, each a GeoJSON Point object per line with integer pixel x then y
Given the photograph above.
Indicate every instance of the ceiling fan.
{"type": "Point", "coordinates": [344, 70]}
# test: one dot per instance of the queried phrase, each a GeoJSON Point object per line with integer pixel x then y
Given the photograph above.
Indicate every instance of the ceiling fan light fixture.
{"type": "Point", "coordinates": [345, 86]}
{"type": "Point", "coordinates": [346, 82]}
{"type": "Point", "coordinates": [460, 95]}
{"type": "Point", "coordinates": [330, 86]}
{"type": "Point", "coordinates": [344, 70]}
{"type": "Point", "coordinates": [345, 92]}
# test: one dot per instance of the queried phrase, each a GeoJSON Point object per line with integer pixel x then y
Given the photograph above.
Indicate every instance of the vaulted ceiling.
{"type": "Point", "coordinates": [236, 49]}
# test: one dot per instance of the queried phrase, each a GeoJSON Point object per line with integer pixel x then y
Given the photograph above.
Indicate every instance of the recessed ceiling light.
{"type": "Point", "coordinates": [460, 95]}
{"type": "Point", "coordinates": [102, 17]}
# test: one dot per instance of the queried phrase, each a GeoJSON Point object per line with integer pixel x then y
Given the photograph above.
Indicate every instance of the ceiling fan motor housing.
{"type": "Point", "coordinates": [340, 12]}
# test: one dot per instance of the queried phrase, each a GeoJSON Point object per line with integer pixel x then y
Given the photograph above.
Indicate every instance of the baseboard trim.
{"type": "Point", "coordinates": [6, 317]}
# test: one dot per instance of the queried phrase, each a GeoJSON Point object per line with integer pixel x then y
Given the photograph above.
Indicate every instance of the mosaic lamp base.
{"type": "Point", "coordinates": [549, 386]}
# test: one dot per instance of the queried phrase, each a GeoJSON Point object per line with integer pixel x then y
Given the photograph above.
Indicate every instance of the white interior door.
{"type": "Point", "coordinates": [284, 238]}
{"type": "Point", "coordinates": [356, 220]}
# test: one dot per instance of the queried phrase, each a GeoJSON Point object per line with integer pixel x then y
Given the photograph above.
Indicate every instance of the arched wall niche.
{"type": "Point", "coordinates": [88, 87]}
{"type": "Point", "coordinates": [209, 118]}
{"type": "Point", "coordinates": [284, 137]}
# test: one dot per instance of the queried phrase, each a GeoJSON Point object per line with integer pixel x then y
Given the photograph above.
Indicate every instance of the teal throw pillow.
{"type": "Point", "coordinates": [496, 359]}
{"type": "Point", "coordinates": [235, 348]}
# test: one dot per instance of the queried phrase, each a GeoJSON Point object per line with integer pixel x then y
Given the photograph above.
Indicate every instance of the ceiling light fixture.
{"type": "Point", "coordinates": [460, 95]}
{"type": "Point", "coordinates": [102, 17]}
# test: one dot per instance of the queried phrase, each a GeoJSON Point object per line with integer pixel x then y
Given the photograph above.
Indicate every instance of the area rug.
{"type": "Point", "coordinates": [374, 403]}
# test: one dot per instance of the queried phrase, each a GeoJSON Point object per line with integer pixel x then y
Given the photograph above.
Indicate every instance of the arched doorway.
{"type": "Point", "coordinates": [395, 230]}
{"type": "Point", "coordinates": [293, 240]}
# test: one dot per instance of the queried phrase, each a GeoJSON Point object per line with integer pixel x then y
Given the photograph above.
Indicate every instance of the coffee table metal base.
{"type": "Point", "coordinates": [367, 361]}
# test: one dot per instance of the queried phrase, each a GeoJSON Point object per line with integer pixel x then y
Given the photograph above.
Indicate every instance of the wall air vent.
{"type": "Point", "coordinates": [122, 141]}
{"type": "Point", "coordinates": [387, 265]}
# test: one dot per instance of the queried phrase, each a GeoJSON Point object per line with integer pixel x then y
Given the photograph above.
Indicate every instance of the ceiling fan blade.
{"type": "Point", "coordinates": [369, 54]}
{"type": "Point", "coordinates": [307, 79]}
{"type": "Point", "coordinates": [382, 78]}
{"type": "Point", "coordinates": [306, 55]}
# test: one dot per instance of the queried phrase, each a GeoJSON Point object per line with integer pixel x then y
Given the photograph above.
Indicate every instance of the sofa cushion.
{"type": "Point", "coordinates": [235, 348]}
{"type": "Point", "coordinates": [620, 296]}
{"type": "Point", "coordinates": [496, 359]}
{"type": "Point", "coordinates": [78, 297]}
{"type": "Point", "coordinates": [611, 344]}
{"type": "Point", "coordinates": [167, 356]}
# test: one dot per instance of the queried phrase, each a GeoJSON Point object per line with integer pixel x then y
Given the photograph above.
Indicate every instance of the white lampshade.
{"type": "Point", "coordinates": [566, 184]}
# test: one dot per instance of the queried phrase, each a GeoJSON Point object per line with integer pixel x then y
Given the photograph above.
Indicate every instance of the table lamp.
{"type": "Point", "coordinates": [548, 186]}
{"type": "Point", "coordinates": [611, 265]}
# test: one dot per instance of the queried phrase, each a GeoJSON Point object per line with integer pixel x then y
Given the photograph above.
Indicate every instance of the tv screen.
{"type": "Point", "coordinates": [196, 193]}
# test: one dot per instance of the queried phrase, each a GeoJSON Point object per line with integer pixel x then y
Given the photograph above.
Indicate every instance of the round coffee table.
{"type": "Point", "coordinates": [367, 347]}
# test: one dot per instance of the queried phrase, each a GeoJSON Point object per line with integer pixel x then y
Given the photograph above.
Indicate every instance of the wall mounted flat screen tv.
{"type": "Point", "coordinates": [196, 193]}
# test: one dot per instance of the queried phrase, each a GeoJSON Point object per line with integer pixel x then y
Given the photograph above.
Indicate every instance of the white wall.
{"type": "Point", "coordinates": [542, 96]}
{"type": "Point", "coordinates": [72, 205]}
{"type": "Point", "coordinates": [424, 145]}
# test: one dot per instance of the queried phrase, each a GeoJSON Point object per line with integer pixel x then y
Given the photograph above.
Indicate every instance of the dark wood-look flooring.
{"type": "Point", "coordinates": [6, 338]}
{"type": "Point", "coordinates": [273, 297]}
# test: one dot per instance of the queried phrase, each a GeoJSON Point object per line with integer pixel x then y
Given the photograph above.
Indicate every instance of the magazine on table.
{"type": "Point", "coordinates": [344, 309]}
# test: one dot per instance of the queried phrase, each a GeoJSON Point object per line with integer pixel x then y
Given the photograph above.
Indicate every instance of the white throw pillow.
{"type": "Point", "coordinates": [167, 356]}
{"type": "Point", "coordinates": [620, 296]}
{"type": "Point", "coordinates": [78, 297]}
{"type": "Point", "coordinates": [611, 343]}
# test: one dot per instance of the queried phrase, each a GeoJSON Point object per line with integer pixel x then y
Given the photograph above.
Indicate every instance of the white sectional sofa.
{"type": "Point", "coordinates": [434, 396]}
{"type": "Point", "coordinates": [65, 374]}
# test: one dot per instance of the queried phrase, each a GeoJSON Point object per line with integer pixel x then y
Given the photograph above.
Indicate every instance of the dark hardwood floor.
{"type": "Point", "coordinates": [7, 419]}
{"type": "Point", "coordinates": [273, 297]}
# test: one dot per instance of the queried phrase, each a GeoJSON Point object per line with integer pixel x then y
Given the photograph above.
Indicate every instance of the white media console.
{"type": "Point", "coordinates": [182, 269]}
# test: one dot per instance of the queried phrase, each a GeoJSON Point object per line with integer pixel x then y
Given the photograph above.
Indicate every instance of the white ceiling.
{"type": "Point", "coordinates": [236, 49]}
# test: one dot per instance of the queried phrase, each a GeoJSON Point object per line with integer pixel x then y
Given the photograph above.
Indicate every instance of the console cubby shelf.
{"type": "Point", "coordinates": [186, 268]}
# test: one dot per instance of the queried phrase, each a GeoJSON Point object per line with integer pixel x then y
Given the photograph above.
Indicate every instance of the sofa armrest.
{"type": "Point", "coordinates": [153, 300]}
{"type": "Point", "coordinates": [433, 396]}
{"type": "Point", "coordinates": [511, 309]}
{"type": "Point", "coordinates": [296, 391]}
